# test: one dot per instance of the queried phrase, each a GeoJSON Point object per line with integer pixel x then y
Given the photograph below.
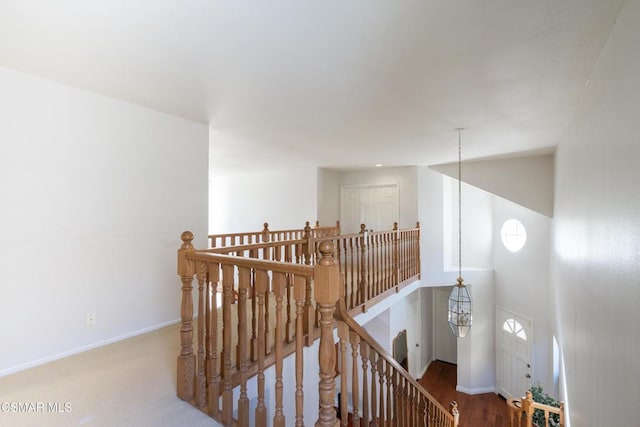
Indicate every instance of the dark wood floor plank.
{"type": "Point", "coordinates": [479, 410]}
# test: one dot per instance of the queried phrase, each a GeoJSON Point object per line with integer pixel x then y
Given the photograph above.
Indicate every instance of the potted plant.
{"type": "Point", "coordinates": [538, 415]}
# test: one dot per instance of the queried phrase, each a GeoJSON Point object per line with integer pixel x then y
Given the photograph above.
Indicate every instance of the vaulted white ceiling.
{"type": "Point", "coordinates": [326, 83]}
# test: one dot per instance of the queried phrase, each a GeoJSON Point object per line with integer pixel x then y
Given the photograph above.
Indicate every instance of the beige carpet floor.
{"type": "Point", "coordinates": [128, 383]}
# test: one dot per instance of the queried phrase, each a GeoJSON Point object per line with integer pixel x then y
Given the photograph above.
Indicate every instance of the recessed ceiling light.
{"type": "Point", "coordinates": [378, 165]}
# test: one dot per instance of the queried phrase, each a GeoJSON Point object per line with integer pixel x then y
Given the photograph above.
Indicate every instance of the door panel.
{"type": "Point", "coordinates": [376, 206]}
{"type": "Point", "coordinates": [513, 370]}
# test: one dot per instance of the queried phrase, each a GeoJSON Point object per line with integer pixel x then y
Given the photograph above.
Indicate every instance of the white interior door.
{"type": "Point", "coordinates": [413, 334]}
{"type": "Point", "coordinates": [446, 344]}
{"type": "Point", "coordinates": [515, 343]}
{"type": "Point", "coordinates": [376, 206]}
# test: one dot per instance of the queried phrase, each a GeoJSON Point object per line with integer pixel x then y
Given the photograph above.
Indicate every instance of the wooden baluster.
{"type": "Point", "coordinates": [364, 355]}
{"type": "Point", "coordinates": [327, 293]}
{"type": "Point", "coordinates": [227, 299]}
{"type": "Point", "coordinates": [265, 233]}
{"type": "Point", "coordinates": [298, 294]}
{"type": "Point", "coordinates": [364, 283]}
{"type": "Point", "coordinates": [290, 327]}
{"type": "Point", "coordinates": [354, 339]}
{"type": "Point", "coordinates": [343, 334]}
{"type": "Point", "coordinates": [261, 287]}
{"type": "Point", "coordinates": [414, 406]}
{"type": "Point", "coordinates": [527, 405]}
{"type": "Point", "coordinates": [186, 359]}
{"type": "Point", "coordinates": [201, 381]}
{"type": "Point", "coordinates": [266, 256]}
{"type": "Point", "coordinates": [416, 243]}
{"type": "Point", "coordinates": [400, 401]}
{"type": "Point", "coordinates": [396, 256]}
{"type": "Point", "coordinates": [353, 298]}
{"type": "Point", "coordinates": [244, 276]}
{"type": "Point", "coordinates": [390, 417]}
{"type": "Point", "coordinates": [453, 410]}
{"type": "Point", "coordinates": [396, 398]}
{"type": "Point", "coordinates": [253, 342]}
{"type": "Point", "coordinates": [422, 418]}
{"type": "Point", "coordinates": [373, 359]}
{"type": "Point", "coordinates": [309, 309]}
{"type": "Point", "coordinates": [212, 347]}
{"type": "Point", "coordinates": [279, 280]}
{"type": "Point", "coordinates": [381, 411]}
{"type": "Point", "coordinates": [561, 414]}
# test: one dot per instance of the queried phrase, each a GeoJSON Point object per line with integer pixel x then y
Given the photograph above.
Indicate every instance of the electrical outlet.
{"type": "Point", "coordinates": [91, 319]}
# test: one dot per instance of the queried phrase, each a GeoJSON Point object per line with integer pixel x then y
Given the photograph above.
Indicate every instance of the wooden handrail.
{"type": "Point", "coordinates": [418, 406]}
{"type": "Point", "coordinates": [259, 264]}
{"type": "Point", "coordinates": [266, 235]}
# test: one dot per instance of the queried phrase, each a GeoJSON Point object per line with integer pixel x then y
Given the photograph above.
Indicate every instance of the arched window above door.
{"type": "Point", "coordinates": [514, 327]}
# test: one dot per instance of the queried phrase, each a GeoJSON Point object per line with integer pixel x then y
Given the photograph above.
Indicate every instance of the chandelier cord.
{"type": "Point", "coordinates": [459, 203]}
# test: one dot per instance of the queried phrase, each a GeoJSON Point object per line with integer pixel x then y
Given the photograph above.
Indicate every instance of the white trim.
{"type": "Point", "coordinates": [84, 348]}
{"type": "Point", "coordinates": [424, 370]}
{"type": "Point", "coordinates": [481, 390]}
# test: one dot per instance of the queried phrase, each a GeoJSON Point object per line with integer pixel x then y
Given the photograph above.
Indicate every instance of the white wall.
{"type": "Point", "coordinates": [526, 179]}
{"type": "Point", "coordinates": [476, 353]}
{"type": "Point", "coordinates": [245, 200]}
{"type": "Point", "coordinates": [596, 236]}
{"type": "Point", "coordinates": [95, 193]}
{"type": "Point", "coordinates": [328, 196]}
{"type": "Point", "coordinates": [523, 283]}
{"type": "Point", "coordinates": [477, 226]}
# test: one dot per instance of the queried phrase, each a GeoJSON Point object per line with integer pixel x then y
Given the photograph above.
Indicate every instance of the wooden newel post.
{"type": "Point", "coordinates": [527, 405]}
{"type": "Point", "coordinates": [453, 410]}
{"type": "Point", "coordinates": [327, 293]}
{"type": "Point", "coordinates": [265, 232]}
{"type": "Point", "coordinates": [186, 359]}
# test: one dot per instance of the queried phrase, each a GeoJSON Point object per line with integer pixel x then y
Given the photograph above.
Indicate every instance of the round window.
{"type": "Point", "coordinates": [513, 235]}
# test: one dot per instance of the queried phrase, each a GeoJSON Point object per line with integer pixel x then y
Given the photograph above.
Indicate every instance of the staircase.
{"type": "Point", "coordinates": [264, 296]}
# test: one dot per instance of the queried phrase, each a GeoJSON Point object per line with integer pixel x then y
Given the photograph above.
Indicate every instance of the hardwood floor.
{"type": "Point", "coordinates": [478, 410]}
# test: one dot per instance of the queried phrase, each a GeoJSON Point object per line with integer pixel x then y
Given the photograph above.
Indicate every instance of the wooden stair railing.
{"type": "Point", "coordinates": [258, 303]}
{"type": "Point", "coordinates": [382, 392]}
{"type": "Point", "coordinates": [527, 406]}
{"type": "Point", "coordinates": [259, 323]}
{"type": "Point", "coordinates": [392, 397]}
{"type": "Point", "coordinates": [374, 265]}
{"type": "Point", "coordinates": [266, 235]}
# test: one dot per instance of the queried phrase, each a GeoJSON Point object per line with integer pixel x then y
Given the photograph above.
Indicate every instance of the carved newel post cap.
{"type": "Point", "coordinates": [187, 238]}
{"type": "Point", "coordinates": [326, 249]}
{"type": "Point", "coordinates": [307, 224]}
{"type": "Point", "coordinates": [362, 226]}
{"type": "Point", "coordinates": [453, 408]}
{"type": "Point", "coordinates": [266, 225]}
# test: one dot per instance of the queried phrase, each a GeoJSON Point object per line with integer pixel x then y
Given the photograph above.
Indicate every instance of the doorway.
{"type": "Point", "coordinates": [445, 343]}
{"type": "Point", "coordinates": [376, 206]}
{"type": "Point", "coordinates": [514, 349]}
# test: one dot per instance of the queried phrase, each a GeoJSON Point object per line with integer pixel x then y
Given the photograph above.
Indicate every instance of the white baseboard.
{"type": "Point", "coordinates": [87, 347]}
{"type": "Point", "coordinates": [476, 390]}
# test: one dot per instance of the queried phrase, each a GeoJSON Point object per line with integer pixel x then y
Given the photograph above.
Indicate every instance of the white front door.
{"type": "Point", "coordinates": [376, 206]}
{"type": "Point", "coordinates": [446, 344]}
{"type": "Point", "coordinates": [514, 348]}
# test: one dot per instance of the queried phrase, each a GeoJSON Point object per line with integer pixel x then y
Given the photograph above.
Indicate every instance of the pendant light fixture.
{"type": "Point", "coordinates": [460, 315]}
